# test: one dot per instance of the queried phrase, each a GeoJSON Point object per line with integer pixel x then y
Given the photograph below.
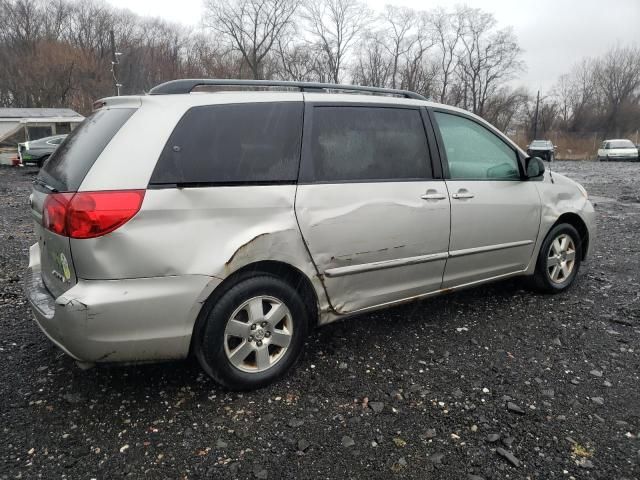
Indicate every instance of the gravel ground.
{"type": "Point", "coordinates": [493, 383]}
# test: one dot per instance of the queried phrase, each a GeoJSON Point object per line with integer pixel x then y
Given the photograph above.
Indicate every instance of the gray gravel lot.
{"type": "Point", "coordinates": [493, 383]}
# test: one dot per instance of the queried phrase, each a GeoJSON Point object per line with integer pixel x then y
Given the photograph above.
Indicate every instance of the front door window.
{"type": "Point", "coordinates": [475, 153]}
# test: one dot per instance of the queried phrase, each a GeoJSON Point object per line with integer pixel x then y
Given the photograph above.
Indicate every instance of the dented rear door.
{"type": "Point", "coordinates": [375, 220]}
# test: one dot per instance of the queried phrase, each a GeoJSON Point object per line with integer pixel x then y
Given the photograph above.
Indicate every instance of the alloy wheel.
{"type": "Point", "coordinates": [258, 334]}
{"type": "Point", "coordinates": [561, 258]}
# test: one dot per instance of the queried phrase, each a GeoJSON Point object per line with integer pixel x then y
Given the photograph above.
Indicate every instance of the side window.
{"type": "Point", "coordinates": [475, 153]}
{"type": "Point", "coordinates": [235, 143]}
{"type": "Point", "coordinates": [367, 143]}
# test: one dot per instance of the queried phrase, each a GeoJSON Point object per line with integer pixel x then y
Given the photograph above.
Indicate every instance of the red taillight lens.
{"type": "Point", "coordinates": [54, 215]}
{"type": "Point", "coordinates": [90, 214]}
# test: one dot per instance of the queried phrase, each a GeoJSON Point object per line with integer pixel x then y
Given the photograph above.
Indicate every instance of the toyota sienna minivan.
{"type": "Point", "coordinates": [227, 223]}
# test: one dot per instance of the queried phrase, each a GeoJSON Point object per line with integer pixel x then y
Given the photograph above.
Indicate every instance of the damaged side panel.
{"type": "Point", "coordinates": [211, 231]}
{"type": "Point", "coordinates": [375, 242]}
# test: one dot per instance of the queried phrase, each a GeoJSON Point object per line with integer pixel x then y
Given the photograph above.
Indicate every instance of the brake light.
{"type": "Point", "coordinates": [54, 216]}
{"type": "Point", "coordinates": [90, 214]}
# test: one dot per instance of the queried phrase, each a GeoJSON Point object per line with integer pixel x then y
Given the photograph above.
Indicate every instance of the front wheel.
{"type": "Point", "coordinates": [253, 334]}
{"type": "Point", "coordinates": [40, 161]}
{"type": "Point", "coordinates": [559, 259]}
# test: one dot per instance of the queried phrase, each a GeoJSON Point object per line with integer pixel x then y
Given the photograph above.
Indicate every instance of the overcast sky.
{"type": "Point", "coordinates": [553, 33]}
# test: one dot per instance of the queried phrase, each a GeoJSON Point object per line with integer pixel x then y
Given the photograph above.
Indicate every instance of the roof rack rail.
{"type": "Point", "coordinates": [174, 87]}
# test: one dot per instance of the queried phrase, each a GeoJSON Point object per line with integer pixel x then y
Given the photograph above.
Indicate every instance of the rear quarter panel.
{"type": "Point", "coordinates": [211, 231]}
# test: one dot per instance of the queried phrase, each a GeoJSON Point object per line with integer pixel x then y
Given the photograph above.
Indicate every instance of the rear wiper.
{"type": "Point", "coordinates": [42, 183]}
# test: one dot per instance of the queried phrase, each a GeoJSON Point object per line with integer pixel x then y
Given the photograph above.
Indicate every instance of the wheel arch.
{"type": "Point", "coordinates": [578, 223]}
{"type": "Point", "coordinates": [287, 272]}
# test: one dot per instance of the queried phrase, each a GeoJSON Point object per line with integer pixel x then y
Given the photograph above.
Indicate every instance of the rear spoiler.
{"type": "Point", "coordinates": [127, 101]}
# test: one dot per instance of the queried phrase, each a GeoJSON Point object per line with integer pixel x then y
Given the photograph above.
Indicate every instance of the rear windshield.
{"type": "Point", "coordinates": [68, 165]}
{"type": "Point", "coordinates": [620, 144]}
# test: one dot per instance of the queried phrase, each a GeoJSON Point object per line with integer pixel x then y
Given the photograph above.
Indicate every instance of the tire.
{"type": "Point", "coordinates": [40, 161]}
{"type": "Point", "coordinates": [240, 345]}
{"type": "Point", "coordinates": [546, 278]}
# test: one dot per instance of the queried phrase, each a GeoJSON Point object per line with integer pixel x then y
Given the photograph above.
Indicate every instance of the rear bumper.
{"type": "Point", "coordinates": [131, 320]}
{"type": "Point", "coordinates": [540, 153]}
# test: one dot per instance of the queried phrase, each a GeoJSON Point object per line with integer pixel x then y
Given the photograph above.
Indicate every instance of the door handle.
{"type": "Point", "coordinates": [462, 194]}
{"type": "Point", "coordinates": [433, 195]}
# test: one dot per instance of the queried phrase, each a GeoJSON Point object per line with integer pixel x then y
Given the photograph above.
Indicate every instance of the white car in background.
{"type": "Point", "coordinates": [617, 149]}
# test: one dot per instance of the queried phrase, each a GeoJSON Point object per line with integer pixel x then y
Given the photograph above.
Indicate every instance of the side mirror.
{"type": "Point", "coordinates": [535, 167]}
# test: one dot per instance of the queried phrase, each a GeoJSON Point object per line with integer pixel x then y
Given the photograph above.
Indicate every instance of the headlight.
{"type": "Point", "coordinates": [583, 191]}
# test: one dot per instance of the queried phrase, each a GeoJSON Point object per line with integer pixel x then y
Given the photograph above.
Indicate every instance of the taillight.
{"type": "Point", "coordinates": [54, 216]}
{"type": "Point", "coordinates": [90, 214]}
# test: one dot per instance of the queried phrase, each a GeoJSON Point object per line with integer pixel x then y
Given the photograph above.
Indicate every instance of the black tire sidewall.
{"type": "Point", "coordinates": [542, 273]}
{"type": "Point", "coordinates": [210, 346]}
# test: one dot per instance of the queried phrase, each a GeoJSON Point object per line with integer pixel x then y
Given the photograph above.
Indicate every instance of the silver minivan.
{"type": "Point", "coordinates": [227, 222]}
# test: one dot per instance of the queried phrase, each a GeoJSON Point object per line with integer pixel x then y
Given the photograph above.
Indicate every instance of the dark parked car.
{"type": "Point", "coordinates": [544, 149]}
{"type": "Point", "coordinates": [37, 151]}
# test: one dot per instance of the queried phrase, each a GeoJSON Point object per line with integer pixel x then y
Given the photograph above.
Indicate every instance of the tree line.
{"type": "Point", "coordinates": [58, 53]}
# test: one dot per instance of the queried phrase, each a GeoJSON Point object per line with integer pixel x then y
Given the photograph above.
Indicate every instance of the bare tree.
{"type": "Point", "coordinates": [374, 66]}
{"type": "Point", "coordinates": [562, 92]}
{"type": "Point", "coordinates": [401, 23]}
{"type": "Point", "coordinates": [418, 71]}
{"type": "Point", "coordinates": [488, 58]}
{"type": "Point", "coordinates": [577, 96]}
{"type": "Point", "coordinates": [334, 26]}
{"type": "Point", "coordinates": [447, 32]}
{"type": "Point", "coordinates": [617, 75]}
{"type": "Point", "coordinates": [251, 26]}
{"type": "Point", "coordinates": [505, 106]}
{"type": "Point", "coordinates": [300, 62]}
{"type": "Point", "coordinates": [461, 57]}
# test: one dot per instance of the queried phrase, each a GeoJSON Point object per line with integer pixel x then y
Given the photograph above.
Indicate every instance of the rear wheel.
{"type": "Point", "coordinates": [253, 334]}
{"type": "Point", "coordinates": [559, 259]}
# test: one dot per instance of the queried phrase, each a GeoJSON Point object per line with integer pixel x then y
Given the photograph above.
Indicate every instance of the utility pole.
{"type": "Point", "coordinates": [114, 63]}
{"type": "Point", "coordinates": [535, 121]}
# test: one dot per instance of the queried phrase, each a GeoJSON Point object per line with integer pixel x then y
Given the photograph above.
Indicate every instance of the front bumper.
{"type": "Point", "coordinates": [626, 158]}
{"type": "Point", "coordinates": [130, 320]}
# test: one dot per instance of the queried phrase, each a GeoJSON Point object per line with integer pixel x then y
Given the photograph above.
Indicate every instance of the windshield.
{"type": "Point", "coordinates": [621, 144]}
{"type": "Point", "coordinates": [540, 143]}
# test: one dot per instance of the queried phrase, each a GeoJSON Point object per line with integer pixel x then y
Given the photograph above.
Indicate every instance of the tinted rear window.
{"type": "Point", "coordinates": [233, 144]}
{"type": "Point", "coordinates": [367, 144]}
{"type": "Point", "coordinates": [69, 164]}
